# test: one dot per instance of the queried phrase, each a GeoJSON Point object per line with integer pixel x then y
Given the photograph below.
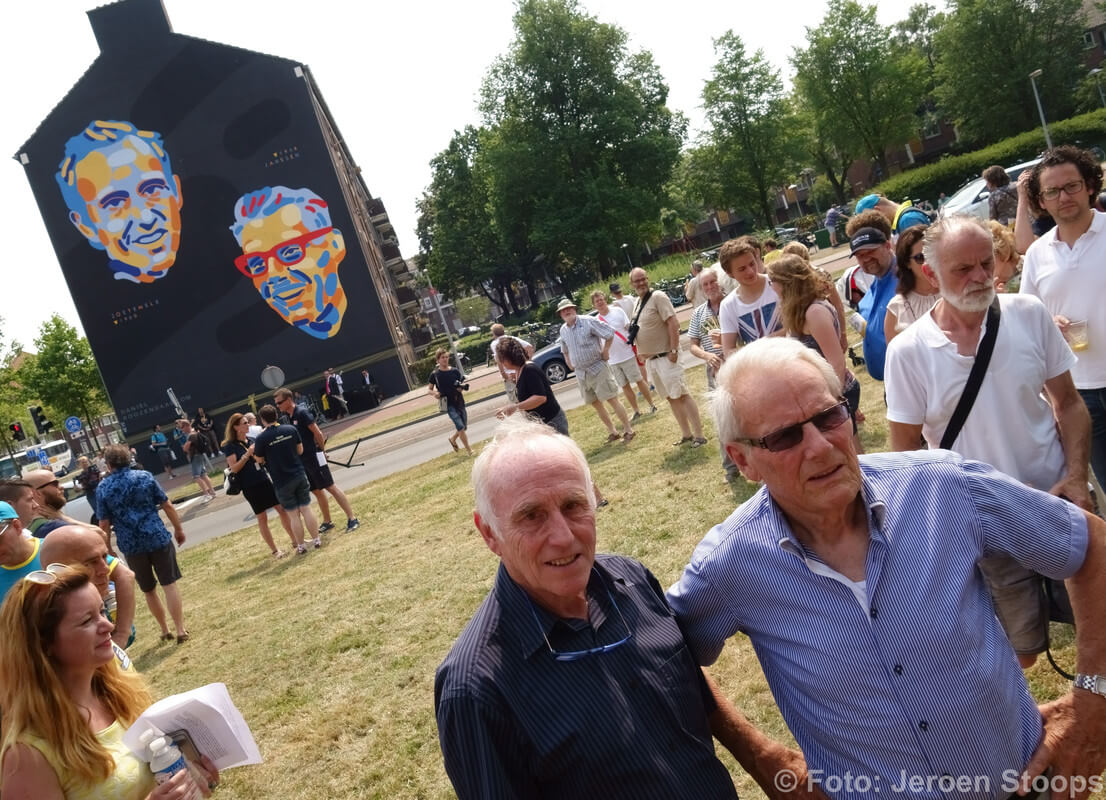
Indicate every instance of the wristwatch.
{"type": "Point", "coordinates": [1091, 683]}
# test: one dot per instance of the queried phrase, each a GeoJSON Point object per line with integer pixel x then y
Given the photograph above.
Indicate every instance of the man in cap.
{"type": "Point", "coordinates": [621, 300]}
{"type": "Point", "coordinates": [872, 248]}
{"type": "Point", "coordinates": [586, 346]}
{"type": "Point", "coordinates": [899, 216]}
{"type": "Point", "coordinates": [18, 553]}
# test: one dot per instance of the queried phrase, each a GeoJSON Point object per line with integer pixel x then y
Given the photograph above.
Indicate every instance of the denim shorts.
{"type": "Point", "coordinates": [294, 494]}
{"type": "Point", "coordinates": [459, 415]}
{"type": "Point", "coordinates": [198, 466]}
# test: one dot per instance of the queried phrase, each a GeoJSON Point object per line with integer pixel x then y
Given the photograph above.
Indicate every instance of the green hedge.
{"type": "Point", "coordinates": [952, 172]}
{"type": "Point", "coordinates": [475, 347]}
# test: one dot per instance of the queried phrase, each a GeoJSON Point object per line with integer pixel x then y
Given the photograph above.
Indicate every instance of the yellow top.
{"type": "Point", "coordinates": [131, 780]}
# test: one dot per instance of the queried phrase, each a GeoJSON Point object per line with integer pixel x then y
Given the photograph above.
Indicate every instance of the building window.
{"type": "Point", "coordinates": [1088, 39]}
{"type": "Point", "coordinates": [931, 126]}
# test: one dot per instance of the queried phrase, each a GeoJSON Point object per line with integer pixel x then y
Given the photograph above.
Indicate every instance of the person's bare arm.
{"type": "Point", "coordinates": [904, 436]}
{"type": "Point", "coordinates": [1023, 220]}
{"type": "Point", "coordinates": [29, 776]}
{"type": "Point", "coordinates": [819, 322]}
{"type": "Point", "coordinates": [568, 363]}
{"type": "Point", "coordinates": [673, 326]}
{"type": "Point", "coordinates": [835, 300]}
{"type": "Point", "coordinates": [174, 520]}
{"type": "Point", "coordinates": [124, 603]}
{"type": "Point", "coordinates": [1074, 424]}
{"type": "Point", "coordinates": [779, 771]}
{"type": "Point", "coordinates": [237, 464]}
{"type": "Point", "coordinates": [320, 440]}
{"type": "Point", "coordinates": [1074, 743]}
{"type": "Point", "coordinates": [729, 344]}
{"type": "Point", "coordinates": [890, 325]}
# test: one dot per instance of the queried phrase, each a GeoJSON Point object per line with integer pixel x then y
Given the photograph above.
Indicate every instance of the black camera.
{"type": "Point", "coordinates": [461, 386]}
{"type": "Point", "coordinates": [632, 330]}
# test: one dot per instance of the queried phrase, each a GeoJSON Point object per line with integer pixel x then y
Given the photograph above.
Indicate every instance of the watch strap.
{"type": "Point", "coordinates": [1090, 683]}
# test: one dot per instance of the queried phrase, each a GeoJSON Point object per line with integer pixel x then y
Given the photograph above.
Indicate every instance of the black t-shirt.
{"type": "Point", "coordinates": [277, 445]}
{"type": "Point", "coordinates": [302, 420]}
{"type": "Point", "coordinates": [531, 381]}
{"type": "Point", "coordinates": [197, 446]}
{"type": "Point", "coordinates": [446, 382]}
{"type": "Point", "coordinates": [250, 475]}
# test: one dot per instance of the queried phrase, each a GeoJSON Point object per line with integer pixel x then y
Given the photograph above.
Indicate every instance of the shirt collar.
{"type": "Point", "coordinates": [875, 509]}
{"type": "Point", "coordinates": [519, 611]}
{"type": "Point", "coordinates": [1098, 223]}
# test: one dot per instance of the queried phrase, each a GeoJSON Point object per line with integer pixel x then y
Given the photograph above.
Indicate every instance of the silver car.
{"type": "Point", "coordinates": [971, 198]}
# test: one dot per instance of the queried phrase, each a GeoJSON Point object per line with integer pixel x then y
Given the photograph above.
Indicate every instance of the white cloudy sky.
{"type": "Point", "coordinates": [421, 62]}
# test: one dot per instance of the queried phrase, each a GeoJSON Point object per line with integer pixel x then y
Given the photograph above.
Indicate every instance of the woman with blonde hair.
{"type": "Point", "coordinates": [257, 488]}
{"type": "Point", "coordinates": [809, 317]}
{"type": "Point", "coordinates": [1008, 262]}
{"type": "Point", "coordinates": [67, 702]}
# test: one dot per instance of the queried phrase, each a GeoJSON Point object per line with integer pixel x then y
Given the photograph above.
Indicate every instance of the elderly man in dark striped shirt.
{"type": "Point", "coordinates": [572, 680]}
{"type": "Point", "coordinates": [857, 581]}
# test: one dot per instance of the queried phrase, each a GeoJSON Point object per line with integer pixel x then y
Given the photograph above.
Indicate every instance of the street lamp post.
{"type": "Point", "coordinates": [626, 250]}
{"type": "Point", "coordinates": [1098, 81]}
{"type": "Point", "coordinates": [1044, 125]}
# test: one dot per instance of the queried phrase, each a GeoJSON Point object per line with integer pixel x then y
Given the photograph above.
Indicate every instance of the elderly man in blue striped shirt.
{"type": "Point", "coordinates": [572, 680]}
{"type": "Point", "coordinates": [856, 581]}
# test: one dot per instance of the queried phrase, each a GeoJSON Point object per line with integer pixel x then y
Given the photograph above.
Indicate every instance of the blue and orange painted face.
{"type": "Point", "coordinates": [294, 268]}
{"type": "Point", "coordinates": [132, 208]}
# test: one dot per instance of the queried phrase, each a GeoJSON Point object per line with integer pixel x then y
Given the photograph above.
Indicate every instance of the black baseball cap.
{"type": "Point", "coordinates": [615, 287]}
{"type": "Point", "coordinates": [866, 239]}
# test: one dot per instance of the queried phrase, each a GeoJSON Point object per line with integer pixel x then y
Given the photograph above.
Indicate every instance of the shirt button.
{"type": "Point", "coordinates": [874, 612]}
{"type": "Point", "coordinates": [923, 725]}
{"type": "Point", "coordinates": [898, 669]}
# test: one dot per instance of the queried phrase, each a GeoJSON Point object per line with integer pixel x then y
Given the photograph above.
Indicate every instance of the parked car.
{"type": "Point", "coordinates": [551, 360]}
{"type": "Point", "coordinates": [972, 197]}
{"type": "Point", "coordinates": [468, 330]}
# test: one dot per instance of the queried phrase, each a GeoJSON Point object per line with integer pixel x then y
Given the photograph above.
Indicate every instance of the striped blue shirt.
{"type": "Point", "coordinates": [583, 343]}
{"type": "Point", "coordinates": [629, 723]}
{"type": "Point", "coordinates": [920, 680]}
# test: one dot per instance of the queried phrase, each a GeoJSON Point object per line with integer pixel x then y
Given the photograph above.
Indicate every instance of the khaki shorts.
{"type": "Point", "coordinates": [1020, 604]}
{"type": "Point", "coordinates": [625, 372]}
{"type": "Point", "coordinates": [600, 386]}
{"type": "Point", "coordinates": [668, 378]}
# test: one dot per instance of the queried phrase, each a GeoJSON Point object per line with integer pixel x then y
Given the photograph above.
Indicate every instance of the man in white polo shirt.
{"type": "Point", "coordinates": [1066, 269]}
{"type": "Point", "coordinates": [1011, 426]}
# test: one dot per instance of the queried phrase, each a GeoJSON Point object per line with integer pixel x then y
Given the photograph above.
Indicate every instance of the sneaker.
{"type": "Point", "coordinates": [353, 524]}
{"type": "Point", "coordinates": [208, 498]}
{"type": "Point", "coordinates": [317, 542]}
{"type": "Point", "coordinates": [301, 550]}
{"type": "Point", "coordinates": [326, 526]}
{"type": "Point", "coordinates": [636, 416]}
{"type": "Point", "coordinates": [278, 554]}
{"type": "Point", "coordinates": [652, 409]}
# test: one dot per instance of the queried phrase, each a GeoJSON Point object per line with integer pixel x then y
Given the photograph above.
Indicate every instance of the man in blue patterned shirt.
{"type": "Point", "coordinates": [857, 583]}
{"type": "Point", "coordinates": [572, 680]}
{"type": "Point", "coordinates": [128, 501]}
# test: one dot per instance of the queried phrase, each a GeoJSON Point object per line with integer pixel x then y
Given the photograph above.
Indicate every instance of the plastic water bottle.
{"type": "Point", "coordinates": [166, 761]}
{"type": "Point", "coordinates": [111, 603]}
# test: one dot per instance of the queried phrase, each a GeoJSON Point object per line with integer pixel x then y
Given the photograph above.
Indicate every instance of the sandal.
{"type": "Point", "coordinates": [184, 637]}
{"type": "Point", "coordinates": [683, 441]}
{"type": "Point", "coordinates": [698, 442]}
{"type": "Point", "coordinates": [279, 554]}
{"type": "Point", "coordinates": [167, 637]}
{"type": "Point", "coordinates": [453, 444]}
{"type": "Point", "coordinates": [613, 437]}
{"type": "Point", "coordinates": [629, 436]}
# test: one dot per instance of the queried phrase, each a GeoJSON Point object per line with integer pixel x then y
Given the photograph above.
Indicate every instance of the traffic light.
{"type": "Point", "coordinates": [42, 425]}
{"type": "Point", "coordinates": [17, 431]}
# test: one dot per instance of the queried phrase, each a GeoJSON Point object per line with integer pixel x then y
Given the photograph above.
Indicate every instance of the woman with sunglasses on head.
{"type": "Point", "coordinates": [254, 480]}
{"type": "Point", "coordinates": [917, 292]}
{"type": "Point", "coordinates": [809, 317]}
{"type": "Point", "coordinates": [67, 703]}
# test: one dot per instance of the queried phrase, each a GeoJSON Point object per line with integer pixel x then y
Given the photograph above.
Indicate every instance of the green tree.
{"type": "Point", "coordinates": [582, 142]}
{"type": "Point", "coordinates": [858, 83]}
{"type": "Point", "coordinates": [918, 32]}
{"type": "Point", "coordinates": [986, 50]}
{"type": "Point", "coordinates": [755, 136]}
{"type": "Point", "coordinates": [64, 373]}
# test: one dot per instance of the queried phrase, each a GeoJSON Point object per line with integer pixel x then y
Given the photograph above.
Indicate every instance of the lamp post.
{"type": "Point", "coordinates": [1098, 81]}
{"type": "Point", "coordinates": [626, 250]}
{"type": "Point", "coordinates": [1044, 125]}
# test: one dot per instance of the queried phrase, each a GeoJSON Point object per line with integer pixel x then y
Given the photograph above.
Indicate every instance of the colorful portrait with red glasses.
{"type": "Point", "coordinates": [291, 252]}
{"type": "Point", "coordinates": [123, 197]}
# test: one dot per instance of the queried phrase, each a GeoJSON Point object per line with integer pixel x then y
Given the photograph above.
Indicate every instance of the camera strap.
{"type": "Point", "coordinates": [975, 378]}
{"type": "Point", "coordinates": [641, 307]}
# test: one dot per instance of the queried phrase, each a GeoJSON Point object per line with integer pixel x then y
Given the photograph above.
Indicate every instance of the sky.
{"type": "Point", "coordinates": [422, 62]}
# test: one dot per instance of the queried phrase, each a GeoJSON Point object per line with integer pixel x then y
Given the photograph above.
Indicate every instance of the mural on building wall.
{"type": "Point", "coordinates": [123, 197]}
{"type": "Point", "coordinates": [291, 252]}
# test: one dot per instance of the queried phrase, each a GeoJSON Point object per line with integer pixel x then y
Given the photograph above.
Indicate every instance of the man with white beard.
{"type": "Point", "coordinates": [1043, 443]}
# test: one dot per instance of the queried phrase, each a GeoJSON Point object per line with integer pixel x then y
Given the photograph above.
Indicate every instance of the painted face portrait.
{"type": "Point", "coordinates": [291, 252]}
{"type": "Point", "coordinates": [123, 197]}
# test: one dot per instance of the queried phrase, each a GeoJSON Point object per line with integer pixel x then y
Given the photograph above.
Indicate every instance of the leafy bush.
{"type": "Point", "coordinates": [950, 173]}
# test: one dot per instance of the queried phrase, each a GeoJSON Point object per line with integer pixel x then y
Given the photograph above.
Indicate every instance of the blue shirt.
{"type": "Point", "coordinates": [629, 723]}
{"type": "Point", "coordinates": [9, 576]}
{"type": "Point", "coordinates": [919, 680]}
{"type": "Point", "coordinates": [130, 499]}
{"type": "Point", "coordinates": [911, 217]}
{"type": "Point", "coordinates": [875, 345]}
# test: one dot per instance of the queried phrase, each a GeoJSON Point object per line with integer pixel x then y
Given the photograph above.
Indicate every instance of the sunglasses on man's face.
{"type": "Point", "coordinates": [786, 438]}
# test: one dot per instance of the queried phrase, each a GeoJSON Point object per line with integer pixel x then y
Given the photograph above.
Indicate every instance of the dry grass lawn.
{"type": "Point", "coordinates": [331, 656]}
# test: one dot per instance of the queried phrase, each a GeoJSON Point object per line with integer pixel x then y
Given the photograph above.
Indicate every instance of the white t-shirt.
{"type": "Point", "coordinates": [1011, 425]}
{"type": "Point", "coordinates": [620, 349]}
{"type": "Point", "coordinates": [1071, 281]}
{"type": "Point", "coordinates": [750, 321]}
{"type": "Point", "coordinates": [626, 303]}
{"type": "Point", "coordinates": [507, 368]}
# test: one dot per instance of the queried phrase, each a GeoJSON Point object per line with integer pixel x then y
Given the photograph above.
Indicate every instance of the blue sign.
{"type": "Point", "coordinates": [43, 459]}
{"type": "Point", "coordinates": [73, 424]}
